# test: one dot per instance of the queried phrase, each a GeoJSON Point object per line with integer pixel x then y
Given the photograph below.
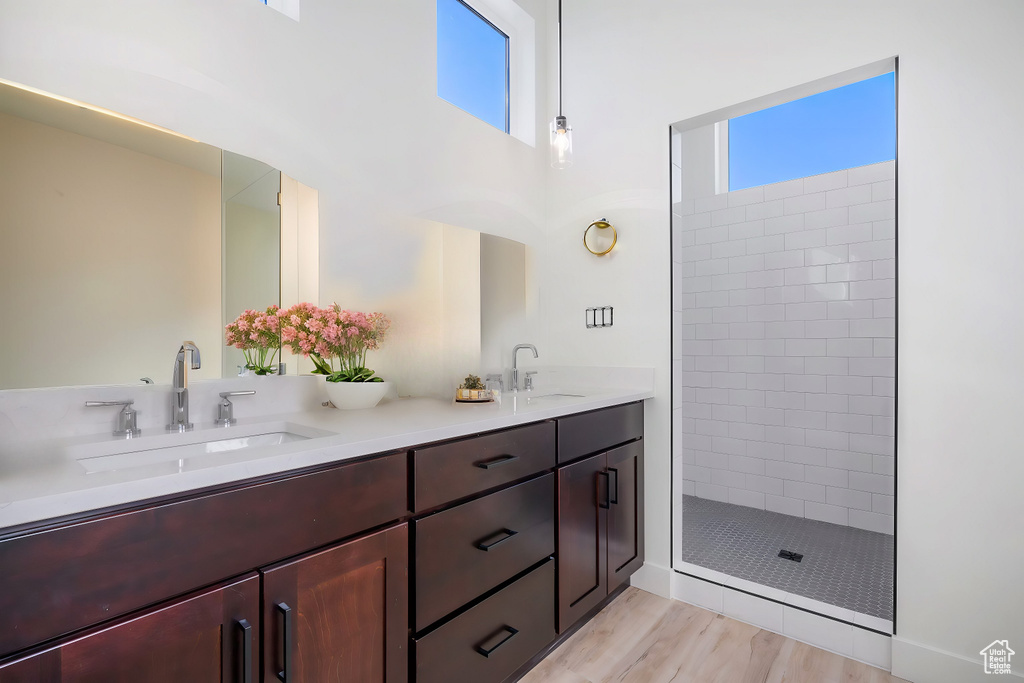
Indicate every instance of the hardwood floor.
{"type": "Point", "coordinates": [643, 638]}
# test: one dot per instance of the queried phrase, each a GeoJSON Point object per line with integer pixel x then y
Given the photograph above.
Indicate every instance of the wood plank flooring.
{"type": "Point", "coordinates": [643, 638]}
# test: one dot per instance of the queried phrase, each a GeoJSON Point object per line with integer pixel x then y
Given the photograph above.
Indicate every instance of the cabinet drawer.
{"type": "Point", "coordinates": [59, 580]}
{"type": "Point", "coordinates": [466, 551]}
{"type": "Point", "coordinates": [599, 430]}
{"type": "Point", "coordinates": [493, 639]}
{"type": "Point", "coordinates": [455, 470]}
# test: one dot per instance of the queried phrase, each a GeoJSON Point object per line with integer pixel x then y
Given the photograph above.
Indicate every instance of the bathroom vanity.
{"type": "Point", "coordinates": [461, 558]}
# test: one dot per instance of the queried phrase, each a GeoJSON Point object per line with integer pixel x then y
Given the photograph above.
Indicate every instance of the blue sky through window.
{"type": "Point", "coordinates": [841, 128]}
{"type": "Point", "coordinates": [472, 63]}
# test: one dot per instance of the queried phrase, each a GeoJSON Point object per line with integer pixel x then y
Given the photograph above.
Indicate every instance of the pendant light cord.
{"type": "Point", "coordinates": [559, 57]}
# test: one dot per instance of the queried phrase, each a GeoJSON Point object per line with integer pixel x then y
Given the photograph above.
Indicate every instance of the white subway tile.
{"type": "Point", "coordinates": [789, 188]}
{"type": "Point", "coordinates": [806, 275]}
{"type": "Point", "coordinates": [847, 234]}
{"type": "Point", "coordinates": [766, 416]}
{"type": "Point", "coordinates": [766, 313]}
{"type": "Point", "coordinates": [792, 294]}
{"type": "Point", "coordinates": [781, 225]}
{"type": "Point", "coordinates": [680, 299]}
{"type": "Point", "coordinates": [695, 379]}
{"type": "Point", "coordinates": [827, 255]}
{"type": "Point", "coordinates": [884, 308]}
{"type": "Point", "coordinates": [696, 410]}
{"type": "Point", "coordinates": [711, 427]}
{"type": "Point", "coordinates": [825, 181]}
{"type": "Point", "coordinates": [814, 384]}
{"type": "Point", "coordinates": [820, 438]}
{"type": "Point", "coordinates": [728, 479]}
{"type": "Point", "coordinates": [764, 210]}
{"type": "Point", "coordinates": [709, 235]}
{"type": "Point", "coordinates": [746, 230]}
{"type": "Point", "coordinates": [832, 291]}
{"type": "Point", "coordinates": [865, 213]}
{"type": "Point", "coordinates": [712, 460]}
{"type": "Point", "coordinates": [694, 221]}
{"type": "Point", "coordinates": [751, 195]}
{"type": "Point", "coordinates": [808, 419]}
{"type": "Point", "coordinates": [695, 253]}
{"type": "Point", "coordinates": [741, 496]}
{"type": "Point", "coordinates": [847, 310]}
{"type": "Point", "coordinates": [746, 364]}
{"type": "Point", "coordinates": [736, 214]}
{"type": "Point", "coordinates": [767, 244]}
{"type": "Point", "coordinates": [723, 312]}
{"type": "Point", "coordinates": [728, 413]}
{"type": "Point", "coordinates": [748, 432]}
{"type": "Point", "coordinates": [729, 380]}
{"type": "Point", "coordinates": [827, 329]}
{"type": "Point", "coordinates": [885, 347]}
{"type": "Point", "coordinates": [850, 423]}
{"type": "Point", "coordinates": [841, 384]}
{"type": "Point", "coordinates": [874, 483]}
{"type": "Point", "coordinates": [883, 464]}
{"type": "Point", "coordinates": [873, 327]}
{"type": "Point", "coordinates": [746, 297]}
{"type": "Point", "coordinates": [712, 331]}
{"type": "Point", "coordinates": [828, 218]}
{"type": "Point", "coordinates": [873, 250]}
{"type": "Point", "coordinates": [784, 259]}
{"type": "Point", "coordinates": [850, 348]}
{"type": "Point", "coordinates": [767, 347]}
{"type": "Point", "coordinates": [766, 382]}
{"type": "Point", "coordinates": [695, 284]}
{"type": "Point", "coordinates": [747, 397]}
{"type": "Point", "coordinates": [805, 347]}
{"type": "Point", "coordinates": [728, 249]}
{"type": "Point", "coordinates": [790, 329]}
{"type": "Point", "coordinates": [712, 203]}
{"type": "Point", "coordinates": [807, 311]}
{"type": "Point", "coordinates": [756, 482]}
{"type": "Point", "coordinates": [742, 463]}
{"type": "Point", "coordinates": [711, 266]}
{"type": "Point", "coordinates": [745, 264]}
{"type": "Point", "coordinates": [830, 403]}
{"type": "Point", "coordinates": [883, 504]}
{"type": "Point", "coordinates": [746, 330]}
{"type": "Point", "coordinates": [845, 272]}
{"type": "Point", "coordinates": [872, 173]}
{"type": "Point", "coordinates": [683, 207]}
{"type": "Point", "coordinates": [804, 203]}
{"type": "Point", "coordinates": [785, 506]}
{"type": "Point", "coordinates": [804, 491]}
{"type": "Point", "coordinates": [860, 462]}
{"type": "Point", "coordinates": [806, 239]}
{"type": "Point", "coordinates": [724, 444]}
{"type": "Point", "coordinates": [876, 445]}
{"type": "Point", "coordinates": [696, 473]}
{"type": "Point", "coordinates": [872, 405]}
{"type": "Point", "coordinates": [770, 451]}
{"type": "Point", "coordinates": [730, 281]}
{"type": "Point", "coordinates": [791, 471]}
{"type": "Point", "coordinates": [769, 278]}
{"type": "Point", "coordinates": [873, 289]}
{"type": "Point", "coordinates": [829, 476]}
{"type": "Point", "coordinates": [687, 362]}
{"type": "Point", "coordinates": [883, 426]}
{"type": "Point", "coordinates": [873, 367]}
{"type": "Point", "coordinates": [695, 316]}
{"type": "Point", "coordinates": [689, 488]}
{"type": "Point", "coordinates": [848, 196]}
{"type": "Point", "coordinates": [696, 347]}
{"type": "Point", "coordinates": [884, 230]}
{"type": "Point", "coordinates": [793, 400]}
{"type": "Point", "coordinates": [848, 498]}
{"type": "Point", "coordinates": [871, 521]}
{"type": "Point", "coordinates": [826, 513]}
{"type": "Point", "coordinates": [729, 347]}
{"type": "Point", "coordinates": [784, 365]}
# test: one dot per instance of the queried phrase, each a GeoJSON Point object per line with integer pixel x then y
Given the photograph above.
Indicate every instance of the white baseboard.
{"type": "Point", "coordinates": [653, 579]}
{"type": "Point", "coordinates": [922, 664]}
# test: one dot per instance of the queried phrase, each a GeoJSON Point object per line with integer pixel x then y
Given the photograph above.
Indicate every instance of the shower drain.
{"type": "Point", "coordinates": [790, 555]}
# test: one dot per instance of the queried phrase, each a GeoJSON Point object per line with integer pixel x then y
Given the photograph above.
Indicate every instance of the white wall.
{"type": "Point", "coordinates": [960, 373]}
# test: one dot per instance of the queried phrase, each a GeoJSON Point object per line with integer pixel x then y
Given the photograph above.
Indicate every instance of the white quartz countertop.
{"type": "Point", "coordinates": [47, 478]}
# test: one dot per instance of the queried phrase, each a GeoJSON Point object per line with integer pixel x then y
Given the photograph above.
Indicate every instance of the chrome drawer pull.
{"type": "Point", "coordinates": [487, 652]}
{"type": "Point", "coordinates": [505, 535]}
{"type": "Point", "coordinates": [500, 460]}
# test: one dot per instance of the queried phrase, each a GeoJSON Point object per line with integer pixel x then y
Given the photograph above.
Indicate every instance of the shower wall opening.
{"type": "Point", "coordinates": [784, 347]}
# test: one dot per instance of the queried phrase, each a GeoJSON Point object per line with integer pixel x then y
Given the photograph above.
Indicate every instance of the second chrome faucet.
{"type": "Point", "coordinates": [179, 387]}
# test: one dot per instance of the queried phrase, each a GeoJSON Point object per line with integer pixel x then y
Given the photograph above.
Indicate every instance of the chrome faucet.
{"type": "Point", "coordinates": [179, 388]}
{"type": "Point", "coordinates": [514, 379]}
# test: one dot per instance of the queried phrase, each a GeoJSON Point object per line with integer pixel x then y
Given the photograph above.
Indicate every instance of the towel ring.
{"type": "Point", "coordinates": [600, 224]}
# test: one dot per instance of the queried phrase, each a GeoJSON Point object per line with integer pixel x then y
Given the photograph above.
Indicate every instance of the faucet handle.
{"type": "Point", "coordinates": [226, 409]}
{"type": "Point", "coordinates": [528, 382]}
{"type": "Point", "coordinates": [127, 417]}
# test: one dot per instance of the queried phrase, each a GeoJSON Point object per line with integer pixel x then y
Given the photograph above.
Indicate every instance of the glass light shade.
{"type": "Point", "coordinates": [561, 143]}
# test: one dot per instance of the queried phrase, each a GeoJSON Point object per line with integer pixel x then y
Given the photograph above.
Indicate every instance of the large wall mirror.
{"type": "Point", "coordinates": [119, 243]}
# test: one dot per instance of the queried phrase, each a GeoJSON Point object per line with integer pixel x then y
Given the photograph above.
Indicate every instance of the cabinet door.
{"type": "Point", "coordinates": [625, 512]}
{"type": "Point", "coordinates": [582, 528]}
{"type": "Point", "coordinates": [340, 615]}
{"type": "Point", "coordinates": [210, 636]}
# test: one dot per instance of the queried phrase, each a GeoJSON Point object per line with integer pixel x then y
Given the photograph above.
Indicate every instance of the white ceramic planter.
{"type": "Point", "coordinates": [356, 395]}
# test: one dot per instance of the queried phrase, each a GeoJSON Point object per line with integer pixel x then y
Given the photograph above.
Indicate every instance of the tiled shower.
{"type": "Point", "coordinates": [784, 348]}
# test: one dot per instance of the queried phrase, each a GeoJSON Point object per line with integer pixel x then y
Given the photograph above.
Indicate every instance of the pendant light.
{"type": "Point", "coordinates": [561, 131]}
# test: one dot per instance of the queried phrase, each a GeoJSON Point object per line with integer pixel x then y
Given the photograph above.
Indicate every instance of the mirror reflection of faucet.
{"type": "Point", "coordinates": [179, 387]}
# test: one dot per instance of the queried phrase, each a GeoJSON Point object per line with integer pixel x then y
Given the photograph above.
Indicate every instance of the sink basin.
{"type": "Point", "coordinates": [199, 447]}
{"type": "Point", "coordinates": [540, 396]}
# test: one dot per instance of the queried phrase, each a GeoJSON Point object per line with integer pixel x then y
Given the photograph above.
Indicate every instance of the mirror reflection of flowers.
{"type": "Point", "coordinates": [258, 335]}
{"type": "Point", "coordinates": [336, 340]}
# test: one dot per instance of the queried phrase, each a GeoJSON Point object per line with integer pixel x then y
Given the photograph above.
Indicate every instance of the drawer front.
{"type": "Point", "coordinates": [455, 470]}
{"type": "Point", "coordinates": [599, 430]}
{"type": "Point", "coordinates": [63, 579]}
{"type": "Point", "coordinates": [466, 551]}
{"type": "Point", "coordinates": [490, 641]}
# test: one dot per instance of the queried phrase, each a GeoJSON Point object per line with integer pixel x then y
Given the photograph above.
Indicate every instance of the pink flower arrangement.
{"type": "Point", "coordinates": [258, 335]}
{"type": "Point", "coordinates": [336, 340]}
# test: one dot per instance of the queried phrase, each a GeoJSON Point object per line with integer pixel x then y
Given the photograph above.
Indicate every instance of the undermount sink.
{"type": "Point", "coordinates": [169, 449]}
{"type": "Point", "coordinates": [543, 396]}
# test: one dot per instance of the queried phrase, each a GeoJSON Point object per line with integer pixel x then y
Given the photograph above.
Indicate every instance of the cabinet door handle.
{"type": "Point", "coordinates": [285, 674]}
{"type": "Point", "coordinates": [482, 647]}
{"type": "Point", "coordinates": [500, 460]}
{"type": "Point", "coordinates": [613, 498]}
{"type": "Point", "coordinates": [505, 534]}
{"type": "Point", "coordinates": [246, 650]}
{"type": "Point", "coordinates": [607, 491]}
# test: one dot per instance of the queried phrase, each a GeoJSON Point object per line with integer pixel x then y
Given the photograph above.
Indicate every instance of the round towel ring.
{"type": "Point", "coordinates": [600, 224]}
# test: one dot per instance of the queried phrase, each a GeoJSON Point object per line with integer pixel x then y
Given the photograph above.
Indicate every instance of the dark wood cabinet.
{"type": "Point", "coordinates": [600, 523]}
{"type": "Point", "coordinates": [210, 636]}
{"type": "Point", "coordinates": [339, 615]}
